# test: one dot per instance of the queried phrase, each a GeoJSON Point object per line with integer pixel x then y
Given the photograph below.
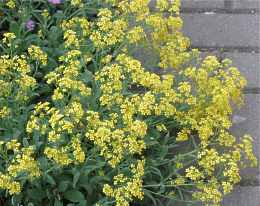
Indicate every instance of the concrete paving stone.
{"type": "Point", "coordinates": [243, 196]}
{"type": "Point", "coordinates": [208, 4]}
{"type": "Point", "coordinates": [245, 4]}
{"type": "Point", "coordinates": [250, 111]}
{"type": "Point", "coordinates": [248, 64]}
{"type": "Point", "coordinates": [222, 30]}
{"type": "Point", "coordinates": [197, 4]}
{"type": "Point", "coordinates": [246, 120]}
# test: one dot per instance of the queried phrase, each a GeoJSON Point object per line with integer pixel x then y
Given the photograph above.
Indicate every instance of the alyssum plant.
{"type": "Point", "coordinates": [82, 122]}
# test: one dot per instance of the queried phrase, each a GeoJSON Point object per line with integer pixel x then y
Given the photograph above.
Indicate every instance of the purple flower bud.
{"type": "Point", "coordinates": [54, 2]}
{"type": "Point", "coordinates": [30, 25]}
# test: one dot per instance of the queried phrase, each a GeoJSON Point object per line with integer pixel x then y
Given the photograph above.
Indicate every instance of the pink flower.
{"type": "Point", "coordinates": [30, 25]}
{"type": "Point", "coordinates": [55, 2]}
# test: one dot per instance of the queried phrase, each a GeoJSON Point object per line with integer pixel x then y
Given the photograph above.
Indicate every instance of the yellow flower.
{"type": "Point", "coordinates": [162, 5]}
{"type": "Point", "coordinates": [136, 34]}
{"type": "Point", "coordinates": [45, 13]}
{"type": "Point", "coordinates": [53, 136]}
{"type": "Point", "coordinates": [8, 37]}
{"type": "Point", "coordinates": [76, 3]}
{"type": "Point", "coordinates": [10, 4]}
{"type": "Point", "coordinates": [60, 156]}
{"type": "Point", "coordinates": [124, 193]}
{"type": "Point", "coordinates": [178, 181]}
{"type": "Point", "coordinates": [161, 127]}
{"type": "Point", "coordinates": [71, 39]}
{"type": "Point", "coordinates": [227, 187]}
{"type": "Point", "coordinates": [37, 54]}
{"type": "Point", "coordinates": [184, 88]}
{"type": "Point", "coordinates": [193, 173]}
{"type": "Point", "coordinates": [4, 112]}
{"type": "Point", "coordinates": [78, 153]}
{"type": "Point", "coordinates": [6, 182]}
{"type": "Point", "coordinates": [13, 145]}
{"type": "Point", "coordinates": [247, 147]}
{"type": "Point", "coordinates": [24, 162]}
{"type": "Point", "coordinates": [183, 135]}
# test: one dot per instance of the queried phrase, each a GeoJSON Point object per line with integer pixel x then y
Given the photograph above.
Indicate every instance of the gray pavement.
{"type": "Point", "coordinates": [221, 4]}
{"type": "Point", "coordinates": [222, 30]}
{"type": "Point", "coordinates": [243, 196]}
{"type": "Point", "coordinates": [245, 4]}
{"type": "Point", "coordinates": [203, 4]}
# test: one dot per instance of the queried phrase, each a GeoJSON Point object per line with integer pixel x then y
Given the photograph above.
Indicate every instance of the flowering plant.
{"type": "Point", "coordinates": [83, 121]}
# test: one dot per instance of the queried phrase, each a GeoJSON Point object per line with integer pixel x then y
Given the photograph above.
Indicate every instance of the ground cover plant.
{"type": "Point", "coordinates": [84, 122]}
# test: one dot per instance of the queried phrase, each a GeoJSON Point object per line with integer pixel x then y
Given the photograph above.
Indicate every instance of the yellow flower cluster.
{"type": "Point", "coordinates": [55, 127]}
{"type": "Point", "coordinates": [211, 189]}
{"type": "Point", "coordinates": [4, 112]}
{"type": "Point", "coordinates": [139, 9]}
{"type": "Point", "coordinates": [60, 156]}
{"type": "Point", "coordinates": [193, 173]}
{"type": "Point", "coordinates": [103, 98]}
{"type": "Point", "coordinates": [71, 39]}
{"type": "Point", "coordinates": [108, 32]}
{"type": "Point", "coordinates": [76, 3]}
{"type": "Point", "coordinates": [45, 13]}
{"type": "Point", "coordinates": [136, 34]}
{"type": "Point", "coordinates": [183, 135]}
{"type": "Point", "coordinates": [111, 85]}
{"type": "Point", "coordinates": [67, 77]}
{"type": "Point", "coordinates": [13, 145]}
{"type": "Point", "coordinates": [8, 38]}
{"type": "Point", "coordinates": [247, 147]}
{"type": "Point", "coordinates": [7, 183]}
{"type": "Point", "coordinates": [24, 162]}
{"type": "Point", "coordinates": [57, 122]}
{"type": "Point", "coordinates": [125, 188]}
{"type": "Point", "coordinates": [209, 193]}
{"type": "Point", "coordinates": [165, 37]}
{"type": "Point", "coordinates": [78, 153]}
{"type": "Point", "coordinates": [209, 158]}
{"type": "Point", "coordinates": [103, 133]}
{"type": "Point", "coordinates": [37, 54]}
{"type": "Point", "coordinates": [17, 84]}
{"type": "Point", "coordinates": [75, 22]}
{"type": "Point", "coordinates": [10, 4]}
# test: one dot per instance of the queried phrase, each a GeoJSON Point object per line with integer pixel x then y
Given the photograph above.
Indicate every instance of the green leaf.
{"type": "Point", "coordinates": [89, 188]}
{"type": "Point", "coordinates": [74, 196]}
{"type": "Point", "coordinates": [36, 194]}
{"type": "Point", "coordinates": [99, 180]}
{"type": "Point", "coordinates": [91, 167]}
{"type": "Point", "coordinates": [75, 179]}
{"type": "Point", "coordinates": [58, 203]}
{"type": "Point", "coordinates": [83, 203]}
{"type": "Point", "coordinates": [87, 76]}
{"type": "Point", "coordinates": [25, 142]}
{"type": "Point", "coordinates": [43, 163]}
{"type": "Point", "coordinates": [163, 151]}
{"type": "Point", "coordinates": [156, 171]}
{"type": "Point", "coordinates": [14, 27]}
{"type": "Point", "coordinates": [150, 196]}
{"type": "Point", "coordinates": [63, 186]}
{"type": "Point", "coordinates": [50, 179]}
